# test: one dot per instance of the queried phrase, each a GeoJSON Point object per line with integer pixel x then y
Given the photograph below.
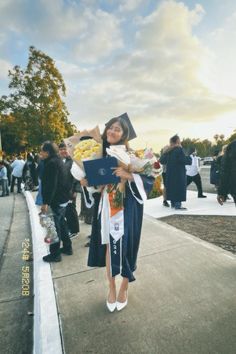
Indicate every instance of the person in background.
{"type": "Point", "coordinates": [215, 169]}
{"type": "Point", "coordinates": [17, 172]}
{"type": "Point", "coordinates": [4, 180]}
{"type": "Point", "coordinates": [56, 195]}
{"type": "Point", "coordinates": [30, 177]}
{"type": "Point", "coordinates": [40, 168]}
{"type": "Point", "coordinates": [86, 214]}
{"type": "Point", "coordinates": [176, 181]}
{"type": "Point", "coordinates": [9, 170]}
{"type": "Point", "coordinates": [193, 174]}
{"type": "Point", "coordinates": [227, 180]}
{"type": "Point", "coordinates": [165, 202]}
{"type": "Point", "coordinates": [71, 212]}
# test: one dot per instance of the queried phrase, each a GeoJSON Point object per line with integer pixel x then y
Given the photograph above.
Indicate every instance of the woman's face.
{"type": "Point", "coordinates": [114, 133]}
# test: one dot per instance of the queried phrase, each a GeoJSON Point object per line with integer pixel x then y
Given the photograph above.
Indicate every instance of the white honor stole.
{"type": "Point", "coordinates": [112, 227]}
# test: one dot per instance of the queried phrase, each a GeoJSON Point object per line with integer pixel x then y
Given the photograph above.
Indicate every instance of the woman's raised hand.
{"type": "Point", "coordinates": [123, 174]}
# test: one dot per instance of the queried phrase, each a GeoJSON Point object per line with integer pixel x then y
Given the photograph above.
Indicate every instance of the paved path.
{"type": "Point", "coordinates": [195, 206]}
{"type": "Point", "coordinates": [15, 306]}
{"type": "Point", "coordinates": [183, 301]}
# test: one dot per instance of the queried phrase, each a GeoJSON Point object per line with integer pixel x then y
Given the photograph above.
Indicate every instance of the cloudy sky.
{"type": "Point", "coordinates": [169, 64]}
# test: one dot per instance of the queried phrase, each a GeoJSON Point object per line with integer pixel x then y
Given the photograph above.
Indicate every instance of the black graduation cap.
{"type": "Point", "coordinates": [126, 118]}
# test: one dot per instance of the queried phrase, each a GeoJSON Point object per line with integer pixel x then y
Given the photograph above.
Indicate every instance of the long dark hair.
{"type": "Point", "coordinates": [124, 138]}
{"type": "Point", "coordinates": [50, 147]}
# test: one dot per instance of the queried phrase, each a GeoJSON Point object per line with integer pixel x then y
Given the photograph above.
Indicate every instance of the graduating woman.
{"type": "Point", "coordinates": [117, 222]}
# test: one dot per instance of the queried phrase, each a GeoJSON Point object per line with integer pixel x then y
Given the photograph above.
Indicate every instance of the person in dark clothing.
{"type": "Point", "coordinates": [30, 176]}
{"type": "Point", "coordinates": [176, 181]}
{"type": "Point", "coordinates": [56, 195]}
{"type": "Point", "coordinates": [9, 171]}
{"type": "Point", "coordinates": [40, 168]}
{"type": "Point", "coordinates": [71, 212]}
{"type": "Point", "coordinates": [227, 180]}
{"type": "Point", "coordinates": [86, 214]}
{"type": "Point", "coordinates": [165, 203]}
{"type": "Point", "coordinates": [215, 169]}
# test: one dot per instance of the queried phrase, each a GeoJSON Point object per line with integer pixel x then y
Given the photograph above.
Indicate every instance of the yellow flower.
{"type": "Point", "coordinates": [86, 149]}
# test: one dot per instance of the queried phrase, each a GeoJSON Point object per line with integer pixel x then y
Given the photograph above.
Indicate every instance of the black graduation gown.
{"type": "Point", "coordinates": [133, 216]}
{"type": "Point", "coordinates": [176, 181]}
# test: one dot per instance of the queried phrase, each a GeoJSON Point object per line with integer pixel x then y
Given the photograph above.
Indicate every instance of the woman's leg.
{"type": "Point", "coordinates": [122, 296]}
{"type": "Point", "coordinates": [112, 282]}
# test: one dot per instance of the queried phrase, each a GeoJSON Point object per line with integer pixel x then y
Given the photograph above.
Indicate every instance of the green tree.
{"type": "Point", "coordinates": [12, 139]}
{"type": "Point", "coordinates": [232, 137]}
{"type": "Point", "coordinates": [203, 147]}
{"type": "Point", "coordinates": [35, 103]}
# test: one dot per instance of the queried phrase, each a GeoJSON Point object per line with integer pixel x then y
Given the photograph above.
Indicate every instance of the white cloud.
{"type": "Point", "coordinates": [219, 72]}
{"type": "Point", "coordinates": [159, 78]}
{"type": "Point", "coordinates": [5, 66]}
{"type": "Point", "coordinates": [82, 33]}
{"type": "Point", "coordinates": [129, 5]}
{"type": "Point", "coordinates": [158, 82]}
{"type": "Point", "coordinates": [101, 38]}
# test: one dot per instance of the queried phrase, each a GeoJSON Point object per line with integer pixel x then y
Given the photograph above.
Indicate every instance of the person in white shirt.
{"type": "Point", "coordinates": [192, 172]}
{"type": "Point", "coordinates": [17, 171]}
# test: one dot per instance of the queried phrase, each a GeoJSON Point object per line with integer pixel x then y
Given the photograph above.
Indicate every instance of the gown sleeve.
{"type": "Point", "coordinates": [182, 158]}
{"type": "Point", "coordinates": [164, 158]}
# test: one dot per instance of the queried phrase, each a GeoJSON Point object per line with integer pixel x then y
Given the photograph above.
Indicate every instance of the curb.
{"type": "Point", "coordinates": [47, 337]}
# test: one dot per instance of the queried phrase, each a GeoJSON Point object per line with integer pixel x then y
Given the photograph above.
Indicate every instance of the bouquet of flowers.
{"type": "Point", "coordinates": [141, 161]}
{"type": "Point", "coordinates": [86, 145]}
{"type": "Point", "coordinates": [86, 149]}
{"type": "Point", "coordinates": [145, 162]}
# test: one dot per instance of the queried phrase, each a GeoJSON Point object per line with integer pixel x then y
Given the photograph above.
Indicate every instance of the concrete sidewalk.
{"type": "Point", "coordinates": [183, 301]}
{"type": "Point", "coordinates": [194, 205]}
{"type": "Point", "coordinates": [16, 297]}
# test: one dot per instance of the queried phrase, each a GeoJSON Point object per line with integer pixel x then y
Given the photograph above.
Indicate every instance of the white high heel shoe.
{"type": "Point", "coordinates": [121, 305]}
{"type": "Point", "coordinates": [111, 306]}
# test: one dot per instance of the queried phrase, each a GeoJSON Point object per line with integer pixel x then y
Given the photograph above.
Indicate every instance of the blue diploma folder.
{"type": "Point", "coordinates": [100, 171]}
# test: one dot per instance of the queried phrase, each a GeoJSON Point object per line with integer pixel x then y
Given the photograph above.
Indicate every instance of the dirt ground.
{"type": "Point", "coordinates": [219, 230]}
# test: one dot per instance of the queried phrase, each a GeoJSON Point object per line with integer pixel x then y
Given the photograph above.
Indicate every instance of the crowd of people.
{"type": "Point", "coordinates": [16, 171]}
